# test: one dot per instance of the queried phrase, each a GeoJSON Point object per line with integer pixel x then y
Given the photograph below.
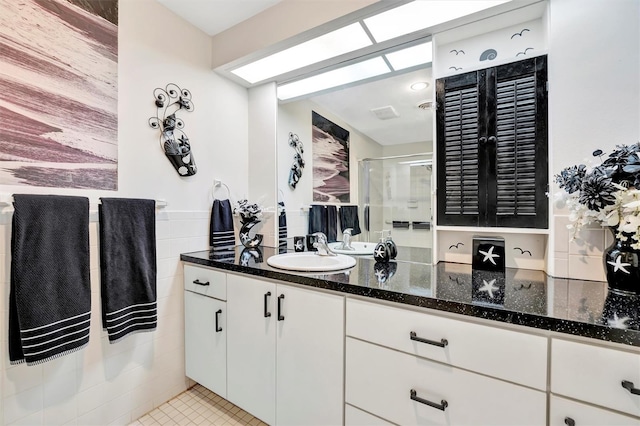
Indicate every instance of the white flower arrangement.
{"type": "Point", "coordinates": [248, 212]}
{"type": "Point", "coordinates": [607, 193]}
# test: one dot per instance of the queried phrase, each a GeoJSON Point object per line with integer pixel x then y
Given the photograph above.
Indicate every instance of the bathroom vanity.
{"type": "Point", "coordinates": [410, 343]}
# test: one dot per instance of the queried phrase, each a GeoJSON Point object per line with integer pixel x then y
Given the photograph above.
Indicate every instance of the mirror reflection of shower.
{"type": "Point", "coordinates": [395, 195]}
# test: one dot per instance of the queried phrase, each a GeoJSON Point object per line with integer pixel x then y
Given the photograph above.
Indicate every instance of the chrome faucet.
{"type": "Point", "coordinates": [322, 246]}
{"type": "Point", "coordinates": [346, 240]}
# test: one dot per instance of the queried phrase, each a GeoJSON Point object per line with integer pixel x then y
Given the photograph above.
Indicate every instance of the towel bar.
{"type": "Point", "coordinates": [7, 200]}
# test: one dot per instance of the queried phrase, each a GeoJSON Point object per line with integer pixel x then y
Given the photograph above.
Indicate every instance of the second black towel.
{"type": "Point", "coordinates": [128, 266]}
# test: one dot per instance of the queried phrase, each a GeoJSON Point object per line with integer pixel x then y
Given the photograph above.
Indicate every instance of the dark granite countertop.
{"type": "Point", "coordinates": [525, 297]}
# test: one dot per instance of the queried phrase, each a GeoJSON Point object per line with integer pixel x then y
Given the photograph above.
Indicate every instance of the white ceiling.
{"type": "Point", "coordinates": [215, 16]}
{"type": "Point", "coordinates": [352, 104]}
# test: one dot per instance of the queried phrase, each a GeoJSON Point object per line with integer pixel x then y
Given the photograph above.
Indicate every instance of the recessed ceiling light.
{"type": "Point", "coordinates": [421, 85]}
{"type": "Point", "coordinates": [417, 15]}
{"type": "Point", "coordinates": [349, 74]}
{"type": "Point", "coordinates": [410, 57]}
{"type": "Point", "coordinates": [338, 42]}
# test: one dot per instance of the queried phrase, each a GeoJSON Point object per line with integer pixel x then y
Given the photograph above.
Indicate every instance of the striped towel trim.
{"type": "Point", "coordinates": [58, 338]}
{"type": "Point", "coordinates": [143, 316]}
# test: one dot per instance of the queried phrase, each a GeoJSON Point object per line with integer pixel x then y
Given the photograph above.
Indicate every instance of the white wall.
{"type": "Point", "coordinates": [115, 384]}
{"type": "Point", "coordinates": [594, 64]}
{"type": "Point", "coordinates": [263, 110]}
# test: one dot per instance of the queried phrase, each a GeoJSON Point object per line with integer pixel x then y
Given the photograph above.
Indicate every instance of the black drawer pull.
{"type": "Point", "coordinates": [629, 386]}
{"type": "Point", "coordinates": [267, 314]}
{"type": "Point", "coordinates": [200, 283]}
{"type": "Point", "coordinates": [569, 421]}
{"type": "Point", "coordinates": [280, 317]}
{"type": "Point", "coordinates": [218, 328]}
{"type": "Point", "coordinates": [442, 343]}
{"type": "Point", "coordinates": [443, 404]}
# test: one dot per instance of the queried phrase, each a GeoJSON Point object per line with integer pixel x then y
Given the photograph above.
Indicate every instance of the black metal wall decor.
{"type": "Point", "coordinates": [298, 162]}
{"type": "Point", "coordinates": [173, 141]}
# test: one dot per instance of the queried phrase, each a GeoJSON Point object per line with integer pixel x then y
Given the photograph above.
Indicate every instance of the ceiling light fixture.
{"type": "Point", "coordinates": [345, 75]}
{"type": "Point", "coordinates": [417, 15]}
{"type": "Point", "coordinates": [411, 56]}
{"type": "Point", "coordinates": [421, 85]}
{"type": "Point", "coordinates": [338, 42]}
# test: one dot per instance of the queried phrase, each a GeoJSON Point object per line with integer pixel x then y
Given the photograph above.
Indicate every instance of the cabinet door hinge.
{"type": "Point", "coordinates": [547, 86]}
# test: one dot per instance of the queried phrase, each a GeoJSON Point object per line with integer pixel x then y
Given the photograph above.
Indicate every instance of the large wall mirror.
{"type": "Point", "coordinates": [391, 134]}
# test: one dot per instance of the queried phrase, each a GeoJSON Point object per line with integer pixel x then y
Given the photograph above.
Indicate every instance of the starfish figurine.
{"type": "Point", "coordinates": [489, 255]}
{"type": "Point", "coordinates": [488, 287]}
{"type": "Point", "coordinates": [618, 265]}
{"type": "Point", "coordinates": [616, 322]}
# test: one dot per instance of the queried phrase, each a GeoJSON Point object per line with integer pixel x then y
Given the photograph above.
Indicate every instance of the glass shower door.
{"type": "Point", "coordinates": [395, 195]}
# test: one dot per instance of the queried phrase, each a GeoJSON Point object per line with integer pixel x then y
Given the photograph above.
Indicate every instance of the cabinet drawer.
{"type": "Point", "coordinates": [356, 417]}
{"type": "Point", "coordinates": [509, 355]}
{"type": "Point", "coordinates": [595, 374]}
{"type": "Point", "coordinates": [205, 281]}
{"type": "Point", "coordinates": [380, 380]}
{"type": "Point", "coordinates": [585, 415]}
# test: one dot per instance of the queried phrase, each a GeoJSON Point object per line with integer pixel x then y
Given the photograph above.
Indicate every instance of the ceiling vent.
{"type": "Point", "coordinates": [385, 113]}
{"type": "Point", "coordinates": [426, 105]}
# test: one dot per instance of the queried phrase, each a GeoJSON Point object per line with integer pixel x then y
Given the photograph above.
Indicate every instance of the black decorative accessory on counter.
{"type": "Point", "coordinates": [173, 141]}
{"type": "Point", "coordinates": [298, 243]}
{"type": "Point", "coordinates": [298, 162]}
{"type": "Point", "coordinates": [488, 254]}
{"type": "Point", "coordinates": [381, 251]}
{"type": "Point", "coordinates": [250, 215]}
{"type": "Point", "coordinates": [622, 264]}
{"type": "Point", "coordinates": [488, 270]}
{"type": "Point", "coordinates": [391, 246]}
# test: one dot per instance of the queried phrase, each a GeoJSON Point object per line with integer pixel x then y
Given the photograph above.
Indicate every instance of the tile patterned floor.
{"type": "Point", "coordinates": [198, 406]}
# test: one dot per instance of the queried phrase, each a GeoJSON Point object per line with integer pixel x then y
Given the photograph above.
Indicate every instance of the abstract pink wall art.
{"type": "Point", "coordinates": [59, 93]}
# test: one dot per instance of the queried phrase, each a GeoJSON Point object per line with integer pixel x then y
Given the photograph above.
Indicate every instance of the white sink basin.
{"type": "Point", "coordinates": [310, 262]}
{"type": "Point", "coordinates": [360, 248]}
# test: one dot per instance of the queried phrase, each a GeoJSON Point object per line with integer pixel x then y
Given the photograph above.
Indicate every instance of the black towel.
{"type": "Point", "coordinates": [282, 225]}
{"type": "Point", "coordinates": [50, 299]}
{"type": "Point", "coordinates": [349, 219]}
{"type": "Point", "coordinates": [128, 266]}
{"type": "Point", "coordinates": [221, 234]}
{"type": "Point", "coordinates": [317, 219]}
{"type": "Point", "coordinates": [332, 224]}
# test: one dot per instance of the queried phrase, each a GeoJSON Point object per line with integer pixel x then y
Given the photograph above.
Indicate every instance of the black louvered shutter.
{"type": "Point", "coordinates": [506, 149]}
{"type": "Point", "coordinates": [521, 144]}
{"type": "Point", "coordinates": [457, 132]}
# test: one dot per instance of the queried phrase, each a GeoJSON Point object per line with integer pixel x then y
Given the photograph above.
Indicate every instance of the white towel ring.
{"type": "Point", "coordinates": [218, 184]}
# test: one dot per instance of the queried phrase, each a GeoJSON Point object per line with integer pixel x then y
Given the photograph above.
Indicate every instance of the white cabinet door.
{"type": "Point", "coordinates": [310, 348]}
{"type": "Point", "coordinates": [567, 412]}
{"type": "Point", "coordinates": [205, 341]}
{"type": "Point", "coordinates": [251, 346]}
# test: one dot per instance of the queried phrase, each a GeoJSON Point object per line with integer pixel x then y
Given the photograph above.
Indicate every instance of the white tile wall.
{"type": "Point", "coordinates": [580, 258]}
{"type": "Point", "coordinates": [106, 383]}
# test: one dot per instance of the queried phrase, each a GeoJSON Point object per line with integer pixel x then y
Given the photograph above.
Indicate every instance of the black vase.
{"type": "Point", "coordinates": [621, 262]}
{"type": "Point", "coordinates": [247, 238]}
